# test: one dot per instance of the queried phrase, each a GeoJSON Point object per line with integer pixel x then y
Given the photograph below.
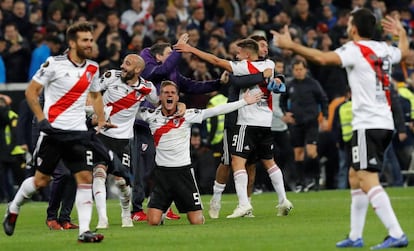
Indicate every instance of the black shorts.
{"type": "Point", "coordinates": [74, 154]}
{"type": "Point", "coordinates": [178, 185]}
{"type": "Point", "coordinates": [251, 142]}
{"type": "Point", "coordinates": [304, 134]}
{"type": "Point", "coordinates": [368, 148]}
{"type": "Point", "coordinates": [119, 146]}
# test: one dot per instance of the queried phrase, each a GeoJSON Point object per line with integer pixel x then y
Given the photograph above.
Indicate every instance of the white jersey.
{"type": "Point", "coordinates": [122, 102]}
{"type": "Point", "coordinates": [368, 65]}
{"type": "Point", "coordinates": [172, 135]}
{"type": "Point", "coordinates": [66, 87]}
{"type": "Point", "coordinates": [259, 114]}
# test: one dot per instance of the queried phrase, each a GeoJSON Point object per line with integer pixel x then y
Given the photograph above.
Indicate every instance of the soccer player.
{"type": "Point", "coordinates": [161, 63]}
{"type": "Point", "coordinates": [368, 64]}
{"type": "Point", "coordinates": [174, 177]}
{"type": "Point", "coordinates": [66, 81]}
{"type": "Point", "coordinates": [123, 92]}
{"type": "Point", "coordinates": [252, 134]}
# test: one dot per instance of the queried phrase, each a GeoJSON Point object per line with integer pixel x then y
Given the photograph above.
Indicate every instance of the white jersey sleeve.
{"type": "Point", "coordinates": [46, 72]}
{"type": "Point", "coordinates": [108, 78]}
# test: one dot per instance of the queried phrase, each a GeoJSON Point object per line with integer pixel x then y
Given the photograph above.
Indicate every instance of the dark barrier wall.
{"type": "Point", "coordinates": [16, 93]}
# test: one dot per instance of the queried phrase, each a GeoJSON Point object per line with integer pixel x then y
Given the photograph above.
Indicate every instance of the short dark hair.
{"type": "Point", "coordinates": [258, 38]}
{"type": "Point", "coordinates": [158, 48]}
{"type": "Point", "coordinates": [167, 83]}
{"type": "Point", "coordinates": [299, 61]}
{"type": "Point", "coordinates": [250, 44]}
{"type": "Point", "coordinates": [365, 22]}
{"type": "Point", "coordinates": [72, 31]}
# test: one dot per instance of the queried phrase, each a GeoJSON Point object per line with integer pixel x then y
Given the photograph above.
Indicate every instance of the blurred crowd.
{"type": "Point", "coordinates": [32, 30]}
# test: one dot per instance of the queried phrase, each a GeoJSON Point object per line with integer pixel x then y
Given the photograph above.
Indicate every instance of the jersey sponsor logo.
{"type": "Point", "coordinates": [73, 94]}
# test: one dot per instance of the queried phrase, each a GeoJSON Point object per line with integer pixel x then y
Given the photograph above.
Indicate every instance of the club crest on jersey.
{"type": "Point", "coordinates": [144, 147]}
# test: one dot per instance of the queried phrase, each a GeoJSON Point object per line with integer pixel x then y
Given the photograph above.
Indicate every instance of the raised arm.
{"type": "Point", "coordinates": [393, 26]}
{"type": "Point", "coordinates": [210, 58]}
{"type": "Point", "coordinates": [246, 81]}
{"type": "Point", "coordinates": [284, 41]}
{"type": "Point", "coordinates": [248, 99]}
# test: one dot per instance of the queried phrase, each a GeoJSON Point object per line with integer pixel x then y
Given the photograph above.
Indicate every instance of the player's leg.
{"type": "Point", "coordinates": [124, 199]}
{"type": "Point", "coordinates": [195, 217]}
{"type": "Point", "coordinates": [99, 192]}
{"type": "Point", "coordinates": [376, 142]}
{"type": "Point", "coordinates": [49, 154]}
{"type": "Point", "coordinates": [160, 198]}
{"type": "Point", "coordinates": [240, 150]}
{"type": "Point", "coordinates": [222, 177]}
{"type": "Point", "coordinates": [55, 199]}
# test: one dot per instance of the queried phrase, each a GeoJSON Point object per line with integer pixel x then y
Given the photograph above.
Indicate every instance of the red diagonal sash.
{"type": "Point", "coordinates": [263, 88]}
{"type": "Point", "coordinates": [171, 124]}
{"type": "Point", "coordinates": [376, 64]}
{"type": "Point", "coordinates": [73, 94]}
{"type": "Point", "coordinates": [125, 102]}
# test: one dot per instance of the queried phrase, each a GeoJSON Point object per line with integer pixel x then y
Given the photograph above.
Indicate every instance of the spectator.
{"type": "Point", "coordinates": [51, 46]}
{"type": "Point", "coordinates": [303, 17]}
{"type": "Point", "coordinates": [113, 39]}
{"type": "Point", "coordinates": [16, 55]}
{"type": "Point", "coordinates": [182, 11]}
{"type": "Point", "coordinates": [160, 31]}
{"type": "Point", "coordinates": [136, 14]}
{"type": "Point", "coordinates": [197, 19]}
{"type": "Point", "coordinates": [11, 154]}
{"type": "Point", "coordinates": [2, 70]}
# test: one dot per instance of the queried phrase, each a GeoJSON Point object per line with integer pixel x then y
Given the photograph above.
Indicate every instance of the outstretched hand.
{"type": "Point", "coordinates": [183, 39]}
{"type": "Point", "coordinates": [182, 47]}
{"type": "Point", "coordinates": [282, 40]}
{"type": "Point", "coordinates": [392, 25]}
{"type": "Point", "coordinates": [252, 98]}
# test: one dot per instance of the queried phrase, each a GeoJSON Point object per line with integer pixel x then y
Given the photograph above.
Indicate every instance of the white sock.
{"type": "Point", "coordinates": [99, 193]}
{"type": "Point", "coordinates": [84, 204]}
{"type": "Point", "coordinates": [240, 183]}
{"type": "Point", "coordinates": [124, 197]}
{"type": "Point", "coordinates": [276, 176]}
{"type": "Point", "coordinates": [382, 205]}
{"type": "Point", "coordinates": [218, 190]}
{"type": "Point", "coordinates": [359, 207]}
{"type": "Point", "coordinates": [26, 190]}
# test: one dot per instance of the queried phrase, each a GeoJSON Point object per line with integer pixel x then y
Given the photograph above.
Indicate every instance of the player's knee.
{"type": "Point", "coordinates": [195, 218]}
{"type": "Point", "coordinates": [99, 172]}
{"type": "Point", "coordinates": [120, 182]}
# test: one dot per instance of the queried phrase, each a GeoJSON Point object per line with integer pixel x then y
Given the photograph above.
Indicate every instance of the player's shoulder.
{"type": "Point", "coordinates": [92, 62]}
{"type": "Point", "coordinates": [193, 111]}
{"type": "Point", "coordinates": [53, 61]}
{"type": "Point", "coordinates": [147, 110]}
{"type": "Point", "coordinates": [110, 76]}
{"type": "Point", "coordinates": [145, 82]}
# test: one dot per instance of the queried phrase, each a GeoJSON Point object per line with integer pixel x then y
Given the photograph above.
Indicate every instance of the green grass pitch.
{"type": "Point", "coordinates": [317, 222]}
